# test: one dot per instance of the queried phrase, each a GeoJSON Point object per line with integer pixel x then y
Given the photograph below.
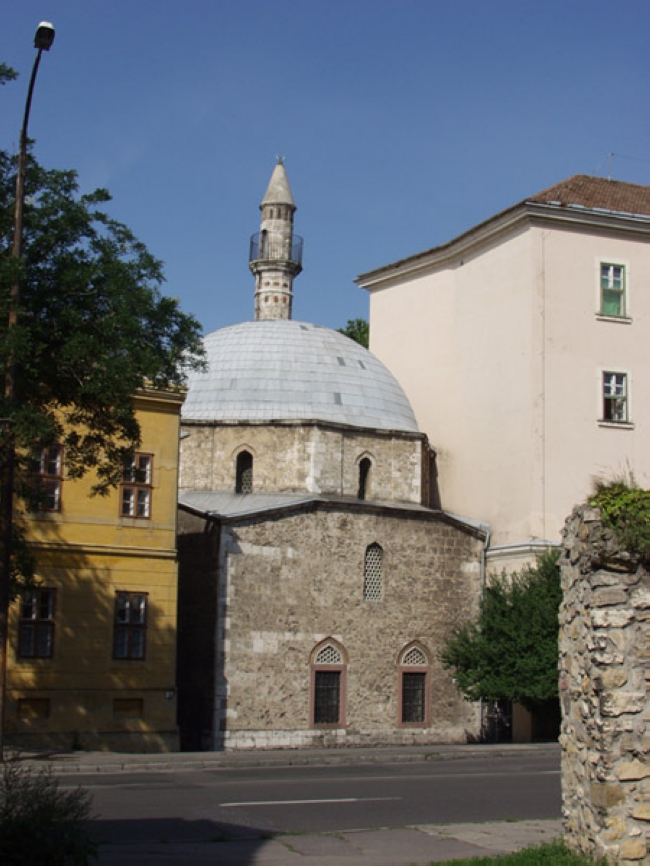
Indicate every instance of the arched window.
{"type": "Point", "coordinates": [414, 686]}
{"type": "Point", "coordinates": [373, 578]}
{"type": "Point", "coordinates": [328, 685]}
{"type": "Point", "coordinates": [244, 473]}
{"type": "Point", "coordinates": [365, 467]}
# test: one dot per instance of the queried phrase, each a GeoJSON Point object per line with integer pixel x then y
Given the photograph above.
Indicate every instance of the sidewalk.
{"type": "Point", "coordinates": [63, 763]}
{"type": "Point", "coordinates": [402, 846]}
{"type": "Point", "coordinates": [391, 846]}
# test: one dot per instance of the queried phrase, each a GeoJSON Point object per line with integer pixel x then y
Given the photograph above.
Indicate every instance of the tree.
{"type": "Point", "coordinates": [92, 326]}
{"type": "Point", "coordinates": [510, 651]}
{"type": "Point", "coordinates": [357, 330]}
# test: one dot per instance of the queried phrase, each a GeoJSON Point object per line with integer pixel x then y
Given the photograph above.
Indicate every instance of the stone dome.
{"type": "Point", "coordinates": [283, 370]}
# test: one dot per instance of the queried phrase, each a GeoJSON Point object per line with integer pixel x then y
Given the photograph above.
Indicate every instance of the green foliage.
{"type": "Point", "coordinates": [510, 652]}
{"type": "Point", "coordinates": [7, 73]}
{"type": "Point", "coordinates": [41, 825]}
{"type": "Point", "coordinates": [549, 854]}
{"type": "Point", "coordinates": [92, 324]}
{"type": "Point", "coordinates": [357, 330]}
{"type": "Point", "coordinates": [625, 508]}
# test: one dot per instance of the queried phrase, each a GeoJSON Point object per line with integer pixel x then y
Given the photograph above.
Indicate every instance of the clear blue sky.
{"type": "Point", "coordinates": [403, 122]}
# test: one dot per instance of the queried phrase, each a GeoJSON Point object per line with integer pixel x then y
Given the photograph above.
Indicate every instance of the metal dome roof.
{"type": "Point", "coordinates": [283, 370]}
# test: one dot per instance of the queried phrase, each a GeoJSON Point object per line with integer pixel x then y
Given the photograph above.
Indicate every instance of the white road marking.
{"type": "Point", "coordinates": [302, 802]}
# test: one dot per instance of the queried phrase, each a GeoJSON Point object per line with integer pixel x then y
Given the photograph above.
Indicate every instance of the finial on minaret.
{"type": "Point", "coordinates": [275, 252]}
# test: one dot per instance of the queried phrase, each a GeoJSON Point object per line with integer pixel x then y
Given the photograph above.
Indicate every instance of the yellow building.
{"type": "Point", "coordinates": [92, 650]}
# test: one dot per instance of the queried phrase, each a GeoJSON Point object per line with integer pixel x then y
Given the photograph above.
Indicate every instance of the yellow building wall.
{"type": "Point", "coordinates": [83, 697]}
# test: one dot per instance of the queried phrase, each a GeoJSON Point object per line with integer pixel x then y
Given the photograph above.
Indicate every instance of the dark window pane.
{"type": "Point", "coordinates": [413, 696]}
{"type": "Point", "coordinates": [137, 643]}
{"type": "Point", "coordinates": [327, 697]}
{"type": "Point", "coordinates": [26, 643]}
{"type": "Point", "coordinates": [44, 641]}
{"type": "Point", "coordinates": [121, 643]}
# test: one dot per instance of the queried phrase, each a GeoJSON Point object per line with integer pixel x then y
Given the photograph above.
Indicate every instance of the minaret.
{"type": "Point", "coordinates": [275, 252]}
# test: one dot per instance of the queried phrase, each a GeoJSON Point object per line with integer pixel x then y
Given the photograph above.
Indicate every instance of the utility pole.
{"type": "Point", "coordinates": [43, 40]}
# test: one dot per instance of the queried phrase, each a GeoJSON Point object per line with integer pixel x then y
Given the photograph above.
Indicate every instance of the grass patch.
{"type": "Point", "coordinates": [549, 854]}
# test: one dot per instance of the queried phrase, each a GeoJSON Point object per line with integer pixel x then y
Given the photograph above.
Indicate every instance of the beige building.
{"type": "Point", "coordinates": [316, 583]}
{"type": "Point", "coordinates": [522, 345]}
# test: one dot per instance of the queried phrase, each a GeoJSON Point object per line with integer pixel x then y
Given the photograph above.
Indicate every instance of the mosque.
{"type": "Point", "coordinates": [318, 575]}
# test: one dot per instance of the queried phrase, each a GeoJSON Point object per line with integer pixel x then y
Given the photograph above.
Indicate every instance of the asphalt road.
{"type": "Point", "coordinates": [229, 803]}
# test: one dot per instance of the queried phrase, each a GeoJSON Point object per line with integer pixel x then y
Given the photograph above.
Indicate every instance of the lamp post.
{"type": "Point", "coordinates": [43, 40]}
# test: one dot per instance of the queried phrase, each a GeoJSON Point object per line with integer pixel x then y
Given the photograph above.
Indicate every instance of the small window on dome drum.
{"type": "Point", "coordinates": [244, 473]}
{"type": "Point", "coordinates": [365, 466]}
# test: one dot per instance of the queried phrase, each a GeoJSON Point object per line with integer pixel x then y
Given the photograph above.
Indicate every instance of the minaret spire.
{"type": "Point", "coordinates": [275, 252]}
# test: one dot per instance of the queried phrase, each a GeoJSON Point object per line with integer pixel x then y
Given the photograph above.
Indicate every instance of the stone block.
{"type": "Point", "coordinates": [630, 771]}
{"type": "Point", "coordinates": [633, 849]}
{"type": "Point", "coordinates": [640, 598]}
{"type": "Point", "coordinates": [609, 596]}
{"type": "Point", "coordinates": [615, 703]}
{"type": "Point", "coordinates": [642, 811]}
{"type": "Point", "coordinates": [606, 795]}
{"type": "Point", "coordinates": [611, 678]}
{"type": "Point", "coordinates": [617, 618]}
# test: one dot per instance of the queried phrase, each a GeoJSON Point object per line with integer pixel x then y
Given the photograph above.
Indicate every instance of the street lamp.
{"type": "Point", "coordinates": [43, 40]}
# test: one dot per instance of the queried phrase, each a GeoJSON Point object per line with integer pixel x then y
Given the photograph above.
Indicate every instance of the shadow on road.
{"type": "Point", "coordinates": [165, 840]}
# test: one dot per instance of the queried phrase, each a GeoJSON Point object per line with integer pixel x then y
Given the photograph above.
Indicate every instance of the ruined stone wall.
{"type": "Point", "coordinates": [307, 457]}
{"type": "Point", "coordinates": [604, 676]}
{"type": "Point", "coordinates": [296, 580]}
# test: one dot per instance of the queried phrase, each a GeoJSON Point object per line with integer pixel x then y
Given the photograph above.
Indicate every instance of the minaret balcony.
{"type": "Point", "coordinates": [275, 247]}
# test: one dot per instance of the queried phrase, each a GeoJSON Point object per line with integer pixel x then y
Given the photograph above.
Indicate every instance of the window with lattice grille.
{"type": "Point", "coordinates": [414, 658]}
{"type": "Point", "coordinates": [328, 687]}
{"type": "Point", "coordinates": [373, 582]}
{"type": "Point", "coordinates": [327, 697]}
{"type": "Point", "coordinates": [414, 687]}
{"type": "Point", "coordinates": [328, 655]}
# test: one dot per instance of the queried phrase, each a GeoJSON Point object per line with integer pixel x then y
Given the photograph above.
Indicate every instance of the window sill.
{"type": "Point", "coordinates": [617, 425]}
{"type": "Point", "coordinates": [621, 320]}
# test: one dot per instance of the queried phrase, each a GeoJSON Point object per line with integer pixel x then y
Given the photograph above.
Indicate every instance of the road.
{"type": "Point", "coordinates": [207, 805]}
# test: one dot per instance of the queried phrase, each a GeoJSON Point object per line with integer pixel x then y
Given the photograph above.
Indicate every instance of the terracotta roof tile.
{"type": "Point", "coordinates": [597, 192]}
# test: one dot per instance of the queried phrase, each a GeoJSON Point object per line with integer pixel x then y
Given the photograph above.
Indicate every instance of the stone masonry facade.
{"type": "Point", "coordinates": [604, 677]}
{"type": "Point", "coordinates": [314, 457]}
{"type": "Point", "coordinates": [291, 581]}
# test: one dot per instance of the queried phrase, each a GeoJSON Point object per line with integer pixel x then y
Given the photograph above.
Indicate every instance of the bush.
{"type": "Point", "coordinates": [41, 825]}
{"type": "Point", "coordinates": [625, 508]}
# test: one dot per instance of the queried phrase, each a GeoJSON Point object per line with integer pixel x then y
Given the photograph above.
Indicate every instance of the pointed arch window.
{"type": "Point", "coordinates": [365, 472]}
{"type": "Point", "coordinates": [328, 680]}
{"type": "Point", "coordinates": [414, 686]}
{"type": "Point", "coordinates": [244, 473]}
{"type": "Point", "coordinates": [373, 577]}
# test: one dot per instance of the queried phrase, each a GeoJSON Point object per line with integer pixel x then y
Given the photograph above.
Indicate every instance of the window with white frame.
{"type": "Point", "coordinates": [47, 471]}
{"type": "Point", "coordinates": [36, 626]}
{"type": "Point", "coordinates": [137, 486]}
{"type": "Point", "coordinates": [615, 398]}
{"type": "Point", "coordinates": [612, 289]}
{"type": "Point", "coordinates": [130, 625]}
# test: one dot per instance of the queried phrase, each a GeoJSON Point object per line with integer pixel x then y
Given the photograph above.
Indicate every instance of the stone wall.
{"type": "Point", "coordinates": [295, 581]}
{"type": "Point", "coordinates": [318, 458]}
{"type": "Point", "coordinates": [288, 583]}
{"type": "Point", "coordinates": [604, 676]}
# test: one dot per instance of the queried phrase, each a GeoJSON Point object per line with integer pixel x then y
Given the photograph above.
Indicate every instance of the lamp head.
{"type": "Point", "coordinates": [44, 36]}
